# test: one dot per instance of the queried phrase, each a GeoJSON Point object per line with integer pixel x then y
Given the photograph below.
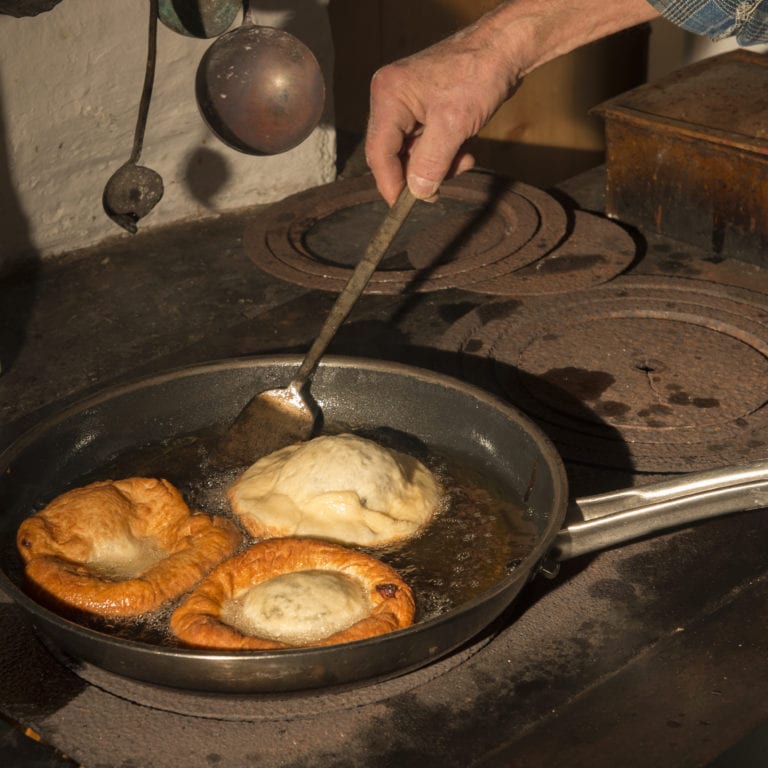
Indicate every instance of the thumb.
{"type": "Point", "coordinates": [431, 156]}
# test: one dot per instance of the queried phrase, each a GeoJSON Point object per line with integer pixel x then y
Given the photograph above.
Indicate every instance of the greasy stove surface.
{"type": "Point", "coordinates": [651, 654]}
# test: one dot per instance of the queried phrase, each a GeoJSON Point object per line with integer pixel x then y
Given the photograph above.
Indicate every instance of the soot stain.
{"type": "Point", "coordinates": [672, 266]}
{"type": "Point", "coordinates": [618, 591]}
{"type": "Point", "coordinates": [400, 735]}
{"type": "Point", "coordinates": [450, 313]}
{"type": "Point", "coordinates": [683, 398]}
{"type": "Point", "coordinates": [579, 382]}
{"type": "Point", "coordinates": [473, 346]}
{"type": "Point", "coordinates": [612, 408]}
{"type": "Point", "coordinates": [575, 263]}
{"type": "Point", "coordinates": [498, 311]}
{"type": "Point", "coordinates": [40, 686]}
{"type": "Point", "coordinates": [657, 409]}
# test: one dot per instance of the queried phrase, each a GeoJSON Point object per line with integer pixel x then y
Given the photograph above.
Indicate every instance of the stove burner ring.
{"type": "Point", "coordinates": [649, 374]}
{"type": "Point", "coordinates": [480, 228]}
{"type": "Point", "coordinates": [594, 252]}
{"type": "Point", "coordinates": [260, 706]}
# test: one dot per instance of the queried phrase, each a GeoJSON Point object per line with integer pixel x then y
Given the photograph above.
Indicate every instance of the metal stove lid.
{"type": "Point", "coordinates": [649, 374]}
{"type": "Point", "coordinates": [481, 228]}
{"type": "Point", "coordinates": [594, 251]}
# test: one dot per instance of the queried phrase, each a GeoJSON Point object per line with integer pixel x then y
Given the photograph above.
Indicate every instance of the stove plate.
{"type": "Point", "coordinates": [650, 654]}
{"type": "Point", "coordinates": [485, 235]}
{"type": "Point", "coordinates": [650, 374]}
{"type": "Point", "coordinates": [594, 251]}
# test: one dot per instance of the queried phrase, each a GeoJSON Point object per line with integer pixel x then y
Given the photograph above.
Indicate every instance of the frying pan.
{"type": "Point", "coordinates": [445, 414]}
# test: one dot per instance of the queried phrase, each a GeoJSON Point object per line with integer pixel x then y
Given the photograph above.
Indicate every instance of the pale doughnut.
{"type": "Point", "coordinates": [341, 488]}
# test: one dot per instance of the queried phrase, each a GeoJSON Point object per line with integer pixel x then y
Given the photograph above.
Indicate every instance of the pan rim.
{"type": "Point", "coordinates": [525, 570]}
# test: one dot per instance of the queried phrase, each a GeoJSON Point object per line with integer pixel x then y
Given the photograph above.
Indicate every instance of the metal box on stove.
{"type": "Point", "coordinates": [687, 155]}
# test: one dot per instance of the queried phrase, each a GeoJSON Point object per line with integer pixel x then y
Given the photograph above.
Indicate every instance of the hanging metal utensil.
{"type": "Point", "coordinates": [134, 190]}
{"type": "Point", "coordinates": [260, 89]}
{"type": "Point", "coordinates": [199, 18]}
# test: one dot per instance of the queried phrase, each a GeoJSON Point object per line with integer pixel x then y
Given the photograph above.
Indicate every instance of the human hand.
{"type": "Point", "coordinates": [425, 107]}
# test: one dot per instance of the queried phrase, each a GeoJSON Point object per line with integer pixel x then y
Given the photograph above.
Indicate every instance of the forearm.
{"type": "Point", "coordinates": [528, 33]}
{"type": "Point", "coordinates": [424, 107]}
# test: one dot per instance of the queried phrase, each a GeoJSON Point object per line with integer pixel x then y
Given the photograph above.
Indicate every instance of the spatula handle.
{"type": "Point", "coordinates": [362, 273]}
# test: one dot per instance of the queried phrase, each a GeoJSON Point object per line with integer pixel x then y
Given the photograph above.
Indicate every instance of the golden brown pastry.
{"type": "Point", "coordinates": [288, 593]}
{"type": "Point", "coordinates": [121, 548]}
{"type": "Point", "coordinates": [341, 488]}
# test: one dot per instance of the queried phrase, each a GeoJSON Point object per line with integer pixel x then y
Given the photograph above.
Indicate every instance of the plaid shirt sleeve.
{"type": "Point", "coordinates": [746, 20]}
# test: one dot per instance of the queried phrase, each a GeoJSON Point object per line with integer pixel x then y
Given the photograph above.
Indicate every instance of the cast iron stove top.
{"type": "Point", "coordinates": [650, 654]}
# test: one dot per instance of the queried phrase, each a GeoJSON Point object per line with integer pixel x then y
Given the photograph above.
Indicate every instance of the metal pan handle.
{"type": "Point", "coordinates": [601, 521]}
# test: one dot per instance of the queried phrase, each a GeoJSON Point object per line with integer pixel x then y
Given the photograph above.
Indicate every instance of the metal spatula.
{"type": "Point", "coordinates": [279, 417]}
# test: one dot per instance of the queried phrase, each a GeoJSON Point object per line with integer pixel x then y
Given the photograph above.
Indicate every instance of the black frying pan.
{"type": "Point", "coordinates": [440, 412]}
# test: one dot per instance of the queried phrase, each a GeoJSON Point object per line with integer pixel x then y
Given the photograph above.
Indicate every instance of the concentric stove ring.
{"type": "Point", "coordinates": [595, 251]}
{"type": "Point", "coordinates": [650, 374]}
{"type": "Point", "coordinates": [480, 228]}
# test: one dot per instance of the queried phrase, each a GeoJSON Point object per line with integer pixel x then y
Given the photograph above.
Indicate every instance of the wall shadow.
{"type": "Point", "coordinates": [206, 172]}
{"type": "Point", "coordinates": [19, 260]}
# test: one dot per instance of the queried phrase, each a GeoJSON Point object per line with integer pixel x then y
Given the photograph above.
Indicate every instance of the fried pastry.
{"type": "Point", "coordinates": [341, 488]}
{"type": "Point", "coordinates": [120, 548]}
{"type": "Point", "coordinates": [293, 592]}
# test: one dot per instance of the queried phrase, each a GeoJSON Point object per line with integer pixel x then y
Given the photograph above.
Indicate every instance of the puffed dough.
{"type": "Point", "coordinates": [216, 614]}
{"type": "Point", "coordinates": [121, 548]}
{"type": "Point", "coordinates": [341, 488]}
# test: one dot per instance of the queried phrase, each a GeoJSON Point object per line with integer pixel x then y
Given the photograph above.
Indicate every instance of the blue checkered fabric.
{"type": "Point", "coordinates": [746, 20]}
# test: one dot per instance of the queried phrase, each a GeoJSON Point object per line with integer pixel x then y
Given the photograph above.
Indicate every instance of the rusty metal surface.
{"type": "Point", "coordinates": [687, 156]}
{"type": "Point", "coordinates": [646, 374]}
{"type": "Point", "coordinates": [481, 228]}
{"type": "Point", "coordinates": [648, 656]}
{"type": "Point", "coordinates": [719, 99]}
{"type": "Point", "coordinates": [594, 251]}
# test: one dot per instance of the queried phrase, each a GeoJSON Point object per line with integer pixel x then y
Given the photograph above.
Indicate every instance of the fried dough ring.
{"type": "Point", "coordinates": [197, 621]}
{"type": "Point", "coordinates": [60, 545]}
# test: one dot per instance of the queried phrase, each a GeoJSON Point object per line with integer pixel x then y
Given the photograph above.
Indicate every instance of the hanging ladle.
{"type": "Point", "coordinates": [278, 417]}
{"type": "Point", "coordinates": [134, 190]}
{"type": "Point", "coordinates": [199, 18]}
{"type": "Point", "coordinates": [260, 89]}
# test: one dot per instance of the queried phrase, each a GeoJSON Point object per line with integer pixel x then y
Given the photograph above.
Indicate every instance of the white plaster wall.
{"type": "Point", "coordinates": [70, 84]}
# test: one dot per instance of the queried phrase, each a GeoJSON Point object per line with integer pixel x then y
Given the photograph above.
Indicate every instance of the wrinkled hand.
{"type": "Point", "coordinates": [425, 107]}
